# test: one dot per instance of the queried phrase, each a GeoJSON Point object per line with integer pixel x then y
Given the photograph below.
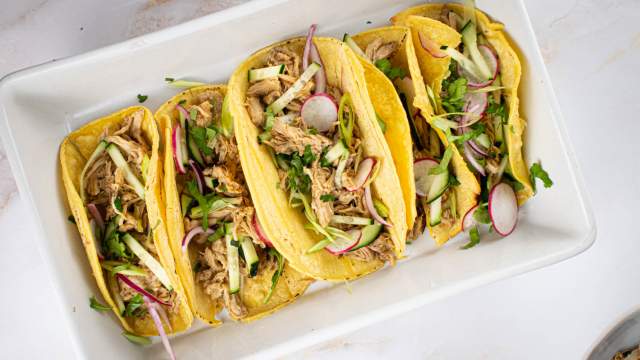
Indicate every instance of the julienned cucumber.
{"type": "Point", "coordinates": [470, 40]}
{"type": "Point", "coordinates": [369, 234]}
{"type": "Point", "coordinates": [195, 151]}
{"type": "Point", "coordinates": [347, 39]}
{"type": "Point", "coordinates": [97, 152]}
{"type": "Point", "coordinates": [121, 163]}
{"type": "Point", "coordinates": [435, 212]}
{"type": "Point", "coordinates": [233, 265]}
{"type": "Point", "coordinates": [351, 220]}
{"type": "Point", "coordinates": [148, 260]}
{"type": "Point", "coordinates": [338, 150]}
{"type": "Point", "coordinates": [250, 256]}
{"type": "Point", "coordinates": [284, 100]}
{"type": "Point", "coordinates": [438, 187]}
{"type": "Point", "coordinates": [466, 63]}
{"type": "Point", "coordinates": [265, 73]}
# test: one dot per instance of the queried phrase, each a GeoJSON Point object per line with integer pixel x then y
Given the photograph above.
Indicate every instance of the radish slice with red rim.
{"type": "Point", "coordinates": [365, 170]}
{"type": "Point", "coordinates": [320, 111]}
{"type": "Point", "coordinates": [421, 175]}
{"type": "Point", "coordinates": [492, 61]}
{"type": "Point", "coordinates": [468, 220]}
{"type": "Point", "coordinates": [259, 232]}
{"type": "Point", "coordinates": [158, 323]}
{"type": "Point", "coordinates": [368, 202]}
{"type": "Point", "coordinates": [503, 208]}
{"type": "Point", "coordinates": [342, 245]}
{"type": "Point", "coordinates": [176, 140]}
{"type": "Point", "coordinates": [475, 105]}
{"type": "Point", "coordinates": [431, 46]}
{"type": "Point", "coordinates": [191, 234]}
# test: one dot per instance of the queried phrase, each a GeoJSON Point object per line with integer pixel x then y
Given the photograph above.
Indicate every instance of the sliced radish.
{"type": "Point", "coordinates": [475, 105]}
{"type": "Point", "coordinates": [193, 233]}
{"type": "Point", "coordinates": [492, 61]}
{"type": "Point", "coordinates": [431, 46]}
{"type": "Point", "coordinates": [467, 220]}
{"type": "Point", "coordinates": [421, 177]}
{"type": "Point", "coordinates": [468, 155]}
{"type": "Point", "coordinates": [503, 208]}
{"type": "Point", "coordinates": [258, 230]}
{"type": "Point", "coordinates": [365, 170]}
{"type": "Point", "coordinates": [342, 245]}
{"type": "Point", "coordinates": [368, 202]}
{"type": "Point", "coordinates": [320, 112]}
{"type": "Point", "coordinates": [176, 140]}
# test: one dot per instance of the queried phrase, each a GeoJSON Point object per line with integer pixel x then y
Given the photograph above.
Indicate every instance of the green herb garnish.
{"type": "Point", "coordinates": [204, 205]}
{"type": "Point", "coordinates": [134, 306]}
{"type": "Point", "coordinates": [444, 163]}
{"type": "Point", "coordinates": [98, 306]}
{"type": "Point", "coordinates": [138, 340]}
{"type": "Point", "coordinates": [142, 98]}
{"type": "Point", "coordinates": [536, 171]}
{"type": "Point", "coordinates": [276, 274]}
{"type": "Point", "coordinates": [71, 219]}
{"type": "Point", "coordinates": [454, 99]}
{"type": "Point", "coordinates": [328, 197]}
{"type": "Point", "coordinates": [474, 240]}
{"type": "Point", "coordinates": [117, 203]}
{"type": "Point", "coordinates": [391, 72]}
{"type": "Point", "coordinates": [199, 136]}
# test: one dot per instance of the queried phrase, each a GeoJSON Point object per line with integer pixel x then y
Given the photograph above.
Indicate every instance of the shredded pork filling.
{"type": "Point", "coordinates": [290, 137]}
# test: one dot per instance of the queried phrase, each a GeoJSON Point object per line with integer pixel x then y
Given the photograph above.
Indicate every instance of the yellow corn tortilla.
{"type": "Point", "coordinates": [253, 290]}
{"type": "Point", "coordinates": [389, 107]}
{"type": "Point", "coordinates": [284, 224]}
{"type": "Point", "coordinates": [74, 152]}
{"type": "Point", "coordinates": [422, 19]}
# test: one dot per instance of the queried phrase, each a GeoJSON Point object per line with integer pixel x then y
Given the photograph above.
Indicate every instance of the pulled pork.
{"type": "Point", "coordinates": [378, 49]}
{"type": "Point", "coordinates": [287, 139]}
{"type": "Point", "coordinates": [382, 248]}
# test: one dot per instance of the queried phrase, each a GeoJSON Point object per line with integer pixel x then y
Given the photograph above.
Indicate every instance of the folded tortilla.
{"type": "Point", "coordinates": [75, 150]}
{"type": "Point", "coordinates": [253, 290]}
{"type": "Point", "coordinates": [423, 19]}
{"type": "Point", "coordinates": [285, 224]}
{"type": "Point", "coordinates": [389, 107]}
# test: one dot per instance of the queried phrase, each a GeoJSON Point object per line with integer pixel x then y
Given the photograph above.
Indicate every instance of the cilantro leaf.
{"type": "Point", "coordinates": [328, 197]}
{"type": "Point", "coordinates": [474, 240]}
{"type": "Point", "coordinates": [536, 171]}
{"type": "Point", "coordinates": [133, 305]}
{"type": "Point", "coordinates": [476, 130]}
{"type": "Point", "coordinates": [115, 247]}
{"type": "Point", "coordinates": [192, 188]}
{"type": "Point", "coordinates": [444, 163]}
{"type": "Point", "coordinates": [117, 202]}
{"type": "Point", "coordinates": [481, 215]}
{"type": "Point", "coordinates": [276, 275]}
{"type": "Point", "coordinates": [453, 100]}
{"type": "Point", "coordinates": [142, 98]}
{"type": "Point", "coordinates": [308, 157]}
{"type": "Point", "coordinates": [199, 136]}
{"type": "Point", "coordinates": [97, 306]}
{"type": "Point", "coordinates": [497, 110]}
{"type": "Point", "coordinates": [136, 339]}
{"type": "Point", "coordinates": [391, 72]}
{"type": "Point", "coordinates": [169, 79]}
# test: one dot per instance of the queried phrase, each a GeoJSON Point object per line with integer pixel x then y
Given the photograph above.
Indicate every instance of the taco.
{"type": "Point", "coordinates": [472, 69]}
{"type": "Point", "coordinates": [398, 93]}
{"type": "Point", "coordinates": [316, 161]}
{"type": "Point", "coordinates": [222, 257]}
{"type": "Point", "coordinates": [111, 173]}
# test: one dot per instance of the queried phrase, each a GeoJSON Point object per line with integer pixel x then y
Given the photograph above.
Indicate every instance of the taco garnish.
{"type": "Point", "coordinates": [428, 166]}
{"type": "Point", "coordinates": [110, 173]}
{"type": "Point", "coordinates": [223, 259]}
{"type": "Point", "coordinates": [315, 126]}
{"type": "Point", "coordinates": [474, 73]}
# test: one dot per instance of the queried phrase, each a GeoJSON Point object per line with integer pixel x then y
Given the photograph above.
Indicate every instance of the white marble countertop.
{"type": "Point", "coordinates": [592, 51]}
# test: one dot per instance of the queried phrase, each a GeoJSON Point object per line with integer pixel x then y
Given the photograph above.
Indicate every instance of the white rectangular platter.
{"type": "Point", "coordinates": [40, 105]}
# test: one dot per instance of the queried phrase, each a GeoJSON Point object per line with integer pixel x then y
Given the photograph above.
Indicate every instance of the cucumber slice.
{"type": "Point", "coordinates": [115, 293]}
{"type": "Point", "coordinates": [483, 139]}
{"type": "Point", "coordinates": [351, 220]}
{"type": "Point", "coordinates": [438, 187]}
{"type": "Point", "coordinates": [347, 39]}
{"type": "Point", "coordinates": [466, 63]}
{"type": "Point", "coordinates": [185, 204]}
{"type": "Point", "coordinates": [284, 100]}
{"type": "Point", "coordinates": [195, 151]}
{"type": "Point", "coordinates": [233, 265]}
{"type": "Point", "coordinates": [265, 73]}
{"type": "Point", "coordinates": [250, 256]}
{"type": "Point", "coordinates": [470, 41]}
{"type": "Point", "coordinates": [196, 212]}
{"type": "Point", "coordinates": [336, 152]}
{"type": "Point", "coordinates": [208, 181]}
{"type": "Point", "coordinates": [148, 260]}
{"type": "Point", "coordinates": [369, 234]}
{"type": "Point", "coordinates": [121, 163]}
{"type": "Point", "coordinates": [435, 212]}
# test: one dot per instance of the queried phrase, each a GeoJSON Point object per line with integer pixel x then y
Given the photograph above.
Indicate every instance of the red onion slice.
{"type": "Point", "coordinates": [467, 220]}
{"type": "Point", "coordinates": [158, 323]}
{"type": "Point", "coordinates": [163, 315]}
{"type": "Point", "coordinates": [139, 289]}
{"type": "Point", "coordinates": [176, 141]}
{"type": "Point", "coordinates": [258, 229]}
{"type": "Point", "coordinates": [198, 175]}
{"type": "Point", "coordinates": [307, 47]}
{"type": "Point", "coordinates": [95, 214]}
{"type": "Point", "coordinates": [193, 233]}
{"type": "Point", "coordinates": [184, 111]}
{"type": "Point", "coordinates": [321, 76]}
{"type": "Point", "coordinates": [472, 160]}
{"type": "Point", "coordinates": [477, 148]}
{"type": "Point", "coordinates": [365, 170]}
{"type": "Point", "coordinates": [368, 201]}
